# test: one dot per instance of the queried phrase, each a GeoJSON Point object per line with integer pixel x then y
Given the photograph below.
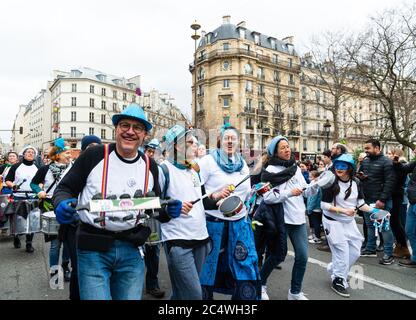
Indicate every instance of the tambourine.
{"type": "Point", "coordinates": [262, 188]}
{"type": "Point", "coordinates": [381, 220]}
{"type": "Point", "coordinates": [231, 206]}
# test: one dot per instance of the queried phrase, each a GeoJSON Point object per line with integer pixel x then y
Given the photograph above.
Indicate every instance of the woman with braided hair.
{"type": "Point", "coordinates": [339, 204]}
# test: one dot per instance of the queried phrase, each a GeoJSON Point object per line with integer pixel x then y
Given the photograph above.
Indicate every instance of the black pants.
{"type": "Point", "coordinates": [29, 238]}
{"type": "Point", "coordinates": [396, 225]}
{"type": "Point", "coordinates": [151, 259]}
{"type": "Point", "coordinates": [69, 238]}
{"type": "Point", "coordinates": [315, 222]}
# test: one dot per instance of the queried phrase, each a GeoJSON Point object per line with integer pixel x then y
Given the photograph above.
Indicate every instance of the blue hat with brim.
{"type": "Point", "coordinates": [174, 134]}
{"type": "Point", "coordinates": [347, 158]}
{"type": "Point", "coordinates": [153, 144]}
{"type": "Point", "coordinates": [271, 148]}
{"type": "Point", "coordinates": [133, 112]}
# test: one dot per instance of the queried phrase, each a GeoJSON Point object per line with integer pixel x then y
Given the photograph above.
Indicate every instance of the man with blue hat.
{"type": "Point", "coordinates": [110, 260]}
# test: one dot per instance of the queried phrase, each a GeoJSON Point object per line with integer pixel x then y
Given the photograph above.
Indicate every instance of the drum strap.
{"type": "Point", "coordinates": [146, 179]}
{"type": "Point", "coordinates": [104, 180]}
{"type": "Point", "coordinates": [165, 171]}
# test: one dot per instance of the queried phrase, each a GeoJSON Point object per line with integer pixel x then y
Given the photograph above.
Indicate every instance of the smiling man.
{"type": "Point", "coordinates": [110, 264]}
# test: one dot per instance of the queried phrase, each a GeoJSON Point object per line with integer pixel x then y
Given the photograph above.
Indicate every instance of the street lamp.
{"type": "Point", "coordinates": [327, 128]}
{"type": "Point", "coordinates": [195, 26]}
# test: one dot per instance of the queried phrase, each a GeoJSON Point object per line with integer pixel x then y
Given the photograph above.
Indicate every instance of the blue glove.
{"type": "Point", "coordinates": [65, 212]}
{"type": "Point", "coordinates": [174, 208]}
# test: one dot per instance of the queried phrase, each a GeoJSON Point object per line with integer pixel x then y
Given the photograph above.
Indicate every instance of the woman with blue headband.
{"type": "Point", "coordinates": [44, 184]}
{"type": "Point", "coordinates": [232, 266]}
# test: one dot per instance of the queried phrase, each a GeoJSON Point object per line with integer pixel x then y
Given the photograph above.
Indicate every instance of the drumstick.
{"type": "Point", "coordinates": [231, 188]}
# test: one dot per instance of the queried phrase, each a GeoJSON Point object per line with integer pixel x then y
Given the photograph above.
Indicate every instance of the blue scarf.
{"type": "Point", "coordinates": [225, 163]}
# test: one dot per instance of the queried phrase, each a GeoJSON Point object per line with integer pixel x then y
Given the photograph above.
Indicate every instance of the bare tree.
{"type": "Point", "coordinates": [385, 56]}
{"type": "Point", "coordinates": [329, 72]}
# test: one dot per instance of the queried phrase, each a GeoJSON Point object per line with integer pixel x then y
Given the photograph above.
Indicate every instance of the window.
{"type": "Point", "coordinates": [115, 94]}
{"type": "Point", "coordinates": [260, 89]}
{"type": "Point", "coordinates": [200, 106]}
{"type": "Point", "coordinates": [226, 102]}
{"type": "Point", "coordinates": [318, 127]}
{"type": "Point", "coordinates": [275, 58]}
{"type": "Point", "coordinates": [226, 65]}
{"type": "Point", "coordinates": [304, 92]}
{"type": "Point", "coordinates": [226, 83]}
{"type": "Point", "coordinates": [261, 105]}
{"type": "Point", "coordinates": [248, 69]}
{"type": "Point", "coordinates": [103, 118]}
{"type": "Point", "coordinates": [103, 105]}
{"type": "Point", "coordinates": [246, 47]}
{"type": "Point", "coordinates": [291, 79]}
{"type": "Point", "coordinates": [344, 116]}
{"type": "Point", "coordinates": [73, 116]}
{"type": "Point", "coordinates": [249, 123]}
{"type": "Point", "coordinates": [91, 103]}
{"type": "Point", "coordinates": [318, 96]}
{"type": "Point", "coordinates": [200, 91]}
{"type": "Point", "coordinates": [91, 131]}
{"type": "Point", "coordinates": [73, 132]}
{"type": "Point", "coordinates": [242, 33]}
{"type": "Point", "coordinates": [318, 111]}
{"type": "Point", "coordinates": [304, 127]}
{"type": "Point", "coordinates": [74, 87]}
{"type": "Point", "coordinates": [318, 145]}
{"type": "Point", "coordinates": [325, 114]}
{"type": "Point", "coordinates": [273, 43]}
{"type": "Point", "coordinates": [226, 46]}
{"type": "Point", "coordinates": [276, 76]}
{"type": "Point", "coordinates": [305, 145]}
{"type": "Point", "coordinates": [103, 92]}
{"type": "Point", "coordinates": [91, 116]}
{"type": "Point", "coordinates": [260, 73]}
{"type": "Point", "coordinates": [115, 107]}
{"type": "Point", "coordinates": [304, 111]}
{"type": "Point", "coordinates": [73, 101]}
{"type": "Point", "coordinates": [248, 104]}
{"type": "Point", "coordinates": [103, 134]}
{"type": "Point", "coordinates": [289, 62]}
{"type": "Point", "coordinates": [124, 96]}
{"type": "Point", "coordinates": [257, 39]}
{"type": "Point", "coordinates": [201, 73]}
{"type": "Point", "coordinates": [91, 89]}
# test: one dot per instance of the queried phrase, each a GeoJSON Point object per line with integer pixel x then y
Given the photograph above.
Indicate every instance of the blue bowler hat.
{"type": "Point", "coordinates": [174, 133]}
{"type": "Point", "coordinates": [133, 112]}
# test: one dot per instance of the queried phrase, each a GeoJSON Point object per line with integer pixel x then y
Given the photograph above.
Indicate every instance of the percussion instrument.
{"type": "Point", "coordinates": [381, 220]}
{"type": "Point", "coordinates": [4, 201]}
{"type": "Point", "coordinates": [156, 232]}
{"type": "Point", "coordinates": [231, 206]}
{"type": "Point", "coordinates": [262, 188]}
{"type": "Point", "coordinates": [49, 225]}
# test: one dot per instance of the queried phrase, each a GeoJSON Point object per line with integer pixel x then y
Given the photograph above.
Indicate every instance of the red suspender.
{"type": "Point", "coordinates": [146, 179]}
{"type": "Point", "coordinates": [104, 180]}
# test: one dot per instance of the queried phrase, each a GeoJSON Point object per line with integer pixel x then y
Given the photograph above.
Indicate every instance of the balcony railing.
{"type": "Point", "coordinates": [237, 51]}
{"type": "Point", "coordinates": [266, 130]}
{"type": "Point", "coordinates": [261, 94]}
{"type": "Point", "coordinates": [249, 127]}
{"type": "Point", "coordinates": [293, 117]}
{"type": "Point", "coordinates": [278, 114]}
{"type": "Point", "coordinates": [264, 113]}
{"type": "Point", "coordinates": [249, 110]}
{"type": "Point", "coordinates": [293, 133]}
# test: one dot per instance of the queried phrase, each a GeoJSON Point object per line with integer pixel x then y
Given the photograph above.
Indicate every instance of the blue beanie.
{"type": "Point", "coordinates": [87, 140]}
{"type": "Point", "coordinates": [271, 148]}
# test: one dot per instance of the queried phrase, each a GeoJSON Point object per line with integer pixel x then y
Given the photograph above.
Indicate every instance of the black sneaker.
{"type": "Point", "coordinates": [339, 287]}
{"type": "Point", "coordinates": [156, 292]}
{"type": "Point", "coordinates": [16, 243]}
{"type": "Point", "coordinates": [368, 253]}
{"type": "Point", "coordinates": [386, 260]}
{"type": "Point", "coordinates": [29, 248]}
{"type": "Point", "coordinates": [407, 263]}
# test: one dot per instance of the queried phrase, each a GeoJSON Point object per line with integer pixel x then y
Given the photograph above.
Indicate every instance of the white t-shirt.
{"type": "Point", "coordinates": [351, 203]}
{"type": "Point", "coordinates": [215, 179]}
{"type": "Point", "coordinates": [184, 185]}
{"type": "Point", "coordinates": [293, 206]}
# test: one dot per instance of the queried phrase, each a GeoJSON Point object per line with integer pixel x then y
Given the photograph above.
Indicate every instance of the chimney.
{"type": "Point", "coordinates": [226, 19]}
{"type": "Point", "coordinates": [288, 40]}
{"type": "Point", "coordinates": [242, 24]}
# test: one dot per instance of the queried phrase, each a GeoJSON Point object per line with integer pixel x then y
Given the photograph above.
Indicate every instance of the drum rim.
{"type": "Point", "coordinates": [235, 211]}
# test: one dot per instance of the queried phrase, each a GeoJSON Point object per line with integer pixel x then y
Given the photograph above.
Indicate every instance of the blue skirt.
{"type": "Point", "coordinates": [232, 265]}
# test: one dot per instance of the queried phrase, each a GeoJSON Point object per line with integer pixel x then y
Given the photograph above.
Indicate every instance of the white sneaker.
{"type": "Point", "coordinates": [310, 237]}
{"type": "Point", "coordinates": [264, 295]}
{"type": "Point", "coordinates": [299, 296]}
{"type": "Point", "coordinates": [315, 240]}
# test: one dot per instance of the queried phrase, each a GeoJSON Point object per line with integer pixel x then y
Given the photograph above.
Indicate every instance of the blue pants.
{"type": "Point", "coordinates": [411, 229]}
{"type": "Point", "coordinates": [117, 274]}
{"type": "Point", "coordinates": [232, 265]}
{"type": "Point", "coordinates": [55, 250]}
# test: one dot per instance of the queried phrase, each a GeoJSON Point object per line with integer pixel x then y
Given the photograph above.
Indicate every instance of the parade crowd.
{"type": "Point", "coordinates": [223, 223]}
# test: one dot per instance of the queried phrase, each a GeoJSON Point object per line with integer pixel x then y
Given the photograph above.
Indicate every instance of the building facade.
{"type": "Point", "coordinates": [18, 139]}
{"type": "Point", "coordinates": [259, 84]}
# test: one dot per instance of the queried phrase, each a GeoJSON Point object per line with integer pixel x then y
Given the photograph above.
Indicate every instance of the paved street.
{"type": "Point", "coordinates": [25, 276]}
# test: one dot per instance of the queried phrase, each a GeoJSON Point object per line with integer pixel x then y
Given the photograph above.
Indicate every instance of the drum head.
{"type": "Point", "coordinates": [379, 215]}
{"type": "Point", "coordinates": [230, 205]}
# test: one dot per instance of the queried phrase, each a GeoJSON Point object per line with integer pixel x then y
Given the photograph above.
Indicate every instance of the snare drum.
{"type": "Point", "coordinates": [18, 224]}
{"type": "Point", "coordinates": [262, 188]}
{"type": "Point", "coordinates": [4, 201]}
{"type": "Point", "coordinates": [231, 206]}
{"type": "Point", "coordinates": [49, 225]}
{"type": "Point", "coordinates": [156, 233]}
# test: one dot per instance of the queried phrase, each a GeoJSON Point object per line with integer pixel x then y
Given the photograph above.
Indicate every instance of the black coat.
{"type": "Point", "coordinates": [379, 179]}
{"type": "Point", "coordinates": [406, 169]}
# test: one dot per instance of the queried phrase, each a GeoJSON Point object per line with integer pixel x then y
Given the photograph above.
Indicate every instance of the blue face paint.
{"type": "Point", "coordinates": [341, 166]}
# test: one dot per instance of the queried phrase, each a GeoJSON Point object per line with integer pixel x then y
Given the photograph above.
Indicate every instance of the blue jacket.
{"type": "Point", "coordinates": [314, 202]}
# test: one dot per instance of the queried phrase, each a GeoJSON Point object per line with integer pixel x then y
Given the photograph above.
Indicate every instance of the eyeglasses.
{"type": "Point", "coordinates": [137, 128]}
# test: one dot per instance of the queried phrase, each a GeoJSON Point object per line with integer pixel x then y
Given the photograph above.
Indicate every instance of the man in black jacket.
{"type": "Point", "coordinates": [411, 213]}
{"type": "Point", "coordinates": [378, 181]}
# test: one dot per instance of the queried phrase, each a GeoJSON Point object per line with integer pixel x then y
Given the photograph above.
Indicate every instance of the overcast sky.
{"type": "Point", "coordinates": [147, 38]}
